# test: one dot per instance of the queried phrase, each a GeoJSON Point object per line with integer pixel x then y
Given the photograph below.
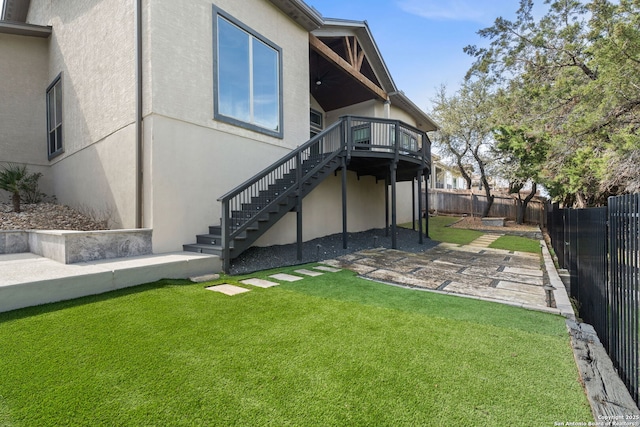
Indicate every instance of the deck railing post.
{"type": "Point", "coordinates": [420, 174]}
{"type": "Point", "coordinates": [299, 205]}
{"type": "Point", "coordinates": [225, 223]}
{"type": "Point", "coordinates": [349, 136]}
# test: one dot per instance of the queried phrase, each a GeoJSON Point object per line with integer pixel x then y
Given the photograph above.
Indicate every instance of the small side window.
{"type": "Point", "coordinates": [54, 118]}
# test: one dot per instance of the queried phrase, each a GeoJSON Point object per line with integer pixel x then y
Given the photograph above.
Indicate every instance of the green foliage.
{"type": "Point", "coordinates": [22, 185]}
{"type": "Point", "coordinates": [465, 134]}
{"type": "Point", "coordinates": [329, 350]}
{"type": "Point", "coordinates": [572, 78]}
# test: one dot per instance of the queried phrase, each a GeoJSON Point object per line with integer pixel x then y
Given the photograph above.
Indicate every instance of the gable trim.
{"type": "Point", "coordinates": [330, 55]}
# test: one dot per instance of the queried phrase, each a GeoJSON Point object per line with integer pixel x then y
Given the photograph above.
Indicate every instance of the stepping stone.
{"type": "Point", "coordinates": [227, 289]}
{"type": "Point", "coordinates": [329, 269]}
{"type": "Point", "coordinates": [524, 271]}
{"type": "Point", "coordinates": [309, 272]}
{"type": "Point", "coordinates": [286, 277]}
{"type": "Point", "coordinates": [260, 283]}
{"type": "Point", "coordinates": [205, 278]}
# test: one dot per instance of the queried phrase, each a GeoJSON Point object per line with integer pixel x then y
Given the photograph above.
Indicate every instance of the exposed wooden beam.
{"type": "Point", "coordinates": [326, 52]}
{"type": "Point", "coordinates": [355, 56]}
{"type": "Point", "coordinates": [358, 64]}
{"type": "Point", "coordinates": [350, 55]}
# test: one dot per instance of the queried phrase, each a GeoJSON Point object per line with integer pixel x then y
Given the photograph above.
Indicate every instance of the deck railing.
{"type": "Point", "coordinates": [349, 134]}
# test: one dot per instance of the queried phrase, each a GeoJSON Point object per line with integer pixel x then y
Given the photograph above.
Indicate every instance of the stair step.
{"type": "Point", "coordinates": [203, 249]}
{"type": "Point", "coordinates": [209, 239]}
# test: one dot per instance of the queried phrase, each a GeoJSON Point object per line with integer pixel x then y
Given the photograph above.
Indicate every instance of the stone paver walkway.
{"type": "Point", "coordinates": [511, 277]}
{"type": "Point", "coordinates": [472, 270]}
{"type": "Point", "coordinates": [231, 290]}
{"type": "Point", "coordinates": [485, 240]}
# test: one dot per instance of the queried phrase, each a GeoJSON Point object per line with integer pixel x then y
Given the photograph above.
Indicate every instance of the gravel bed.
{"type": "Point", "coordinates": [264, 258]}
{"type": "Point", "coordinates": [46, 216]}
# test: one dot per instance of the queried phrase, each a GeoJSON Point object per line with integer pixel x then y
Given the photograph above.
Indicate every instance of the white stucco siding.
{"type": "Point", "coordinates": [92, 45]}
{"type": "Point", "coordinates": [322, 211]}
{"type": "Point", "coordinates": [23, 137]}
{"type": "Point", "coordinates": [188, 168]}
{"type": "Point", "coordinates": [182, 64]}
{"type": "Point", "coordinates": [399, 114]}
{"type": "Point", "coordinates": [101, 179]}
{"type": "Point", "coordinates": [92, 49]}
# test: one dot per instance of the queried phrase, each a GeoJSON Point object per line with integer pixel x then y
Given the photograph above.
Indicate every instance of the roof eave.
{"type": "Point", "coordinates": [365, 37]}
{"type": "Point", "coordinates": [304, 15]}
{"type": "Point", "coordinates": [423, 120]}
{"type": "Point", "coordinates": [22, 29]}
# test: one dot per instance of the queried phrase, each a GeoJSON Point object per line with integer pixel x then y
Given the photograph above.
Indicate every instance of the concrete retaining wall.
{"type": "Point", "coordinates": [69, 247]}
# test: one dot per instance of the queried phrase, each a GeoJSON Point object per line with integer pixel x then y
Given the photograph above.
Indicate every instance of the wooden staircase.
{"type": "Point", "coordinates": [261, 213]}
{"type": "Point", "coordinates": [254, 206]}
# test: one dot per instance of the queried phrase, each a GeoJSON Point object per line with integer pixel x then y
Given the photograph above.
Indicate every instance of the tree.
{"type": "Point", "coordinates": [522, 157]}
{"type": "Point", "coordinates": [465, 132]}
{"type": "Point", "coordinates": [572, 78]}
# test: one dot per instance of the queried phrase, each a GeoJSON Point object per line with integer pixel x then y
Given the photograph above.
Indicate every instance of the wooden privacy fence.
{"type": "Point", "coordinates": [461, 202]}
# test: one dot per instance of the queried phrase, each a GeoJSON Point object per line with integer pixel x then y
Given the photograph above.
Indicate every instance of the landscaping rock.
{"type": "Point", "coordinates": [46, 216]}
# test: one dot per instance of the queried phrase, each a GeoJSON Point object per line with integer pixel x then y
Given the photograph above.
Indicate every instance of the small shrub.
{"type": "Point", "coordinates": [30, 191]}
{"type": "Point", "coordinates": [22, 185]}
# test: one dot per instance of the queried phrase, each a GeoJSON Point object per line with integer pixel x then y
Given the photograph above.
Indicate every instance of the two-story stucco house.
{"type": "Point", "coordinates": [161, 111]}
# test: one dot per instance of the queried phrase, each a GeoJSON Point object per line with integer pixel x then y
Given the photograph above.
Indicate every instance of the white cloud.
{"type": "Point", "coordinates": [459, 10]}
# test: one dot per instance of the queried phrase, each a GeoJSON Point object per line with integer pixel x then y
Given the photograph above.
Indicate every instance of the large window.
{"type": "Point", "coordinates": [247, 77]}
{"type": "Point", "coordinates": [54, 117]}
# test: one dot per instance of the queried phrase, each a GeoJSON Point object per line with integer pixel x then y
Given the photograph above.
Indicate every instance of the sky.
{"type": "Point", "coordinates": [422, 41]}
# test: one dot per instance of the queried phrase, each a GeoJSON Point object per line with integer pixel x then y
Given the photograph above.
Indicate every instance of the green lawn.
{"type": "Point", "coordinates": [517, 243]}
{"type": "Point", "coordinates": [332, 350]}
{"type": "Point", "coordinates": [440, 232]}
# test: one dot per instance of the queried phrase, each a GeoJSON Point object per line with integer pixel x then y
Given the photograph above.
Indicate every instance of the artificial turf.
{"type": "Point", "coordinates": [327, 350]}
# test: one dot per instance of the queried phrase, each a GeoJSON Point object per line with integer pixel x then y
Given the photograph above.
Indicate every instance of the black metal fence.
{"type": "Point", "coordinates": [600, 249]}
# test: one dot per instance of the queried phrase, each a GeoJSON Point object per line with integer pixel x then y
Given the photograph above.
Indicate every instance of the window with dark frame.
{"type": "Point", "coordinates": [54, 117]}
{"type": "Point", "coordinates": [315, 119]}
{"type": "Point", "coordinates": [248, 75]}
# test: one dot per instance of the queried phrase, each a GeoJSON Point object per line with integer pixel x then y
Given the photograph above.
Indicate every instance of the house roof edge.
{"type": "Point", "coordinates": [400, 99]}
{"type": "Point", "coordinates": [22, 29]}
{"type": "Point", "coordinates": [303, 14]}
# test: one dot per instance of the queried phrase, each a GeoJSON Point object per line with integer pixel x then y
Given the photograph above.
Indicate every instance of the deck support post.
{"type": "Point", "coordinates": [344, 203]}
{"type": "Point", "coordinates": [299, 207]}
{"type": "Point", "coordinates": [426, 205]}
{"type": "Point", "coordinates": [413, 203]}
{"type": "Point", "coordinates": [419, 177]}
{"type": "Point", "coordinates": [225, 223]}
{"type": "Point", "coordinates": [386, 206]}
{"type": "Point", "coordinates": [394, 200]}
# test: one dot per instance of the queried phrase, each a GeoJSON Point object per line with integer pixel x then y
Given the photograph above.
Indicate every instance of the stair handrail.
{"type": "Point", "coordinates": [226, 220]}
{"type": "Point", "coordinates": [345, 145]}
{"type": "Point", "coordinates": [241, 187]}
